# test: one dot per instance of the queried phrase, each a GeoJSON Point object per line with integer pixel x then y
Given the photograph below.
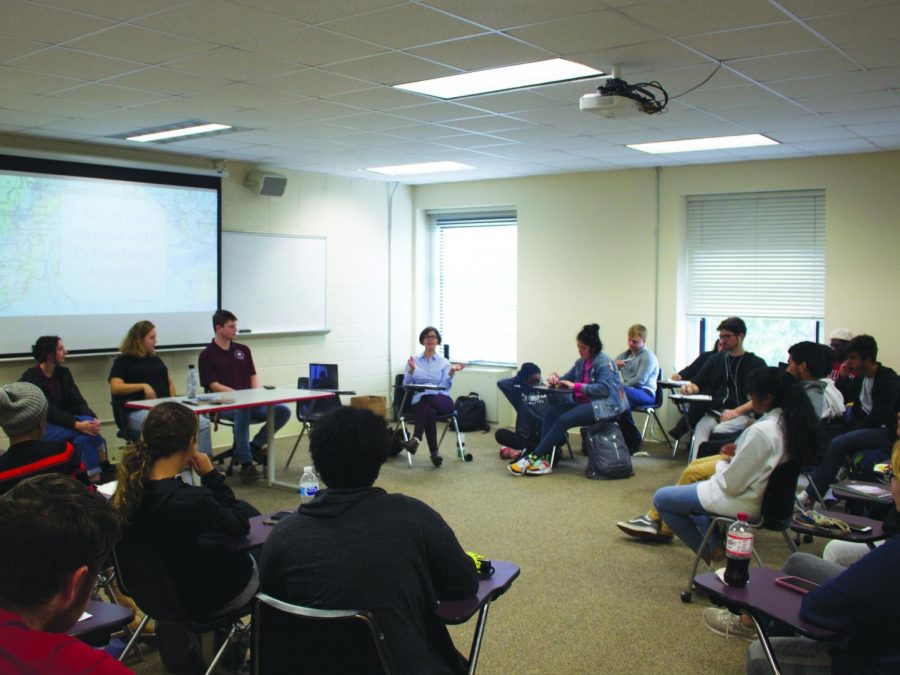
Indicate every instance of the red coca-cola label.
{"type": "Point", "coordinates": [738, 546]}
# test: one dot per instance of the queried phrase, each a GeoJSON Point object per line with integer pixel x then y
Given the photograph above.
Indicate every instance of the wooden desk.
{"type": "Point", "coordinates": [246, 398]}
{"type": "Point", "coordinates": [459, 611]}
{"type": "Point", "coordinates": [105, 619]}
{"type": "Point", "coordinates": [762, 598]}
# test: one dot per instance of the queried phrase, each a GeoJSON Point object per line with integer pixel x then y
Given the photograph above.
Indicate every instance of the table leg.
{"type": "Point", "coordinates": [766, 645]}
{"type": "Point", "coordinates": [478, 637]}
{"type": "Point", "coordinates": [270, 443]}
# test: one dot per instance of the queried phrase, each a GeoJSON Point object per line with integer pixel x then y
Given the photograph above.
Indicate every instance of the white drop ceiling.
{"type": "Point", "coordinates": [307, 82]}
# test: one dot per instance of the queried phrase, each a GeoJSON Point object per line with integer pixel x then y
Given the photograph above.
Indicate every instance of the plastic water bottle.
{"type": "Point", "coordinates": [192, 382]}
{"type": "Point", "coordinates": [738, 551]}
{"type": "Point", "coordinates": [309, 485]}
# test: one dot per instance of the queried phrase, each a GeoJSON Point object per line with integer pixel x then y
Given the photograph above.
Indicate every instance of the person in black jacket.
{"type": "Point", "coordinates": [695, 412]}
{"type": "Point", "coordinates": [872, 397]}
{"type": "Point", "coordinates": [184, 523]}
{"type": "Point", "coordinates": [69, 418]}
{"type": "Point", "coordinates": [23, 416]}
{"type": "Point", "coordinates": [357, 547]}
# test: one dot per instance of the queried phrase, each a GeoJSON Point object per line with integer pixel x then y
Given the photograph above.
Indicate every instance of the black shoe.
{"type": "Point", "coordinates": [249, 474]}
{"type": "Point", "coordinates": [437, 460]}
{"type": "Point", "coordinates": [260, 453]}
{"type": "Point", "coordinates": [411, 445]}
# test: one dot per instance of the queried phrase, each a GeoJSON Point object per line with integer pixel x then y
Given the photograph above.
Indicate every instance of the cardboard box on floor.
{"type": "Point", "coordinates": [377, 404]}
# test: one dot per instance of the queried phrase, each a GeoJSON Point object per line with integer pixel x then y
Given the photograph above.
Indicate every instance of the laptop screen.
{"type": "Point", "coordinates": [323, 376]}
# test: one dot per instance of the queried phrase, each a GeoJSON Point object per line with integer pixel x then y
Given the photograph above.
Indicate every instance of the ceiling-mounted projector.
{"type": "Point", "coordinates": [616, 98]}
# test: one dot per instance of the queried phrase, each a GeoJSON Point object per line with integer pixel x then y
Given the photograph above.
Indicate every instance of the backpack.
{"type": "Point", "coordinates": [471, 414]}
{"type": "Point", "coordinates": [608, 456]}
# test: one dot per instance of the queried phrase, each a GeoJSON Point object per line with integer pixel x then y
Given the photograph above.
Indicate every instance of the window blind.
{"type": "Point", "coordinates": [474, 284]}
{"type": "Point", "coordinates": [757, 255]}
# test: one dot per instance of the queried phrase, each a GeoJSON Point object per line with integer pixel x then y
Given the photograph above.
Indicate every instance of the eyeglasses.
{"type": "Point", "coordinates": [431, 336]}
{"type": "Point", "coordinates": [726, 336]}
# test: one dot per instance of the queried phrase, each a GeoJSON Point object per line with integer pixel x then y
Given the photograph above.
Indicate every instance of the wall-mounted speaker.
{"type": "Point", "coordinates": [265, 184]}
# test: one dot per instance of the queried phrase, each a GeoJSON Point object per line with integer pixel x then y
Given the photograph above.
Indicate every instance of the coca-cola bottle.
{"type": "Point", "coordinates": [738, 551]}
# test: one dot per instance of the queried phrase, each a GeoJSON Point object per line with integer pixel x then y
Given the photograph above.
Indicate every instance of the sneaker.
{"type": "Point", "coordinates": [519, 466]}
{"type": "Point", "coordinates": [722, 622]}
{"type": "Point", "coordinates": [510, 453]}
{"type": "Point", "coordinates": [410, 445]}
{"type": "Point", "coordinates": [260, 453]}
{"type": "Point", "coordinates": [640, 453]}
{"type": "Point", "coordinates": [437, 460]}
{"type": "Point", "coordinates": [249, 474]}
{"type": "Point", "coordinates": [539, 467]}
{"type": "Point", "coordinates": [643, 527]}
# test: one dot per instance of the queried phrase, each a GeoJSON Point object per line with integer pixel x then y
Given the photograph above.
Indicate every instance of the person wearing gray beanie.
{"type": "Point", "coordinates": [23, 416]}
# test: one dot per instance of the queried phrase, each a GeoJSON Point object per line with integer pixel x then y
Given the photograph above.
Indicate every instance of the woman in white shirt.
{"type": "Point", "coordinates": [787, 429]}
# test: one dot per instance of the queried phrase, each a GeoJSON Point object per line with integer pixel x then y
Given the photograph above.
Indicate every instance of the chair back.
{"type": "Point", "coordinates": [288, 639]}
{"type": "Point", "coordinates": [319, 407]}
{"type": "Point", "coordinates": [398, 398]}
{"type": "Point", "coordinates": [120, 417]}
{"type": "Point", "coordinates": [778, 499]}
{"type": "Point", "coordinates": [659, 391]}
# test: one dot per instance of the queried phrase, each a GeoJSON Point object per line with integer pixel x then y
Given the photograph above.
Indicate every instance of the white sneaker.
{"type": "Point", "coordinates": [539, 467]}
{"type": "Point", "coordinates": [722, 622]}
{"type": "Point", "coordinates": [518, 467]}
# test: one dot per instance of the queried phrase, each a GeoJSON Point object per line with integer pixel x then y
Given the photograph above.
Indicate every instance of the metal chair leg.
{"type": "Point", "coordinates": [134, 637]}
{"type": "Point", "coordinates": [296, 445]}
{"type": "Point", "coordinates": [404, 434]}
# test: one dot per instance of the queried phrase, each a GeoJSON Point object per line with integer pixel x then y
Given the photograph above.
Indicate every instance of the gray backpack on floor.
{"type": "Point", "coordinates": [608, 456]}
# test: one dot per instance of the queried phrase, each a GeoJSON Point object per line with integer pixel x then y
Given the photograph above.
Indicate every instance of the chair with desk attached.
{"type": "Point", "coordinates": [143, 576]}
{"type": "Point", "coordinates": [323, 641]}
{"type": "Point", "coordinates": [402, 406]}
{"type": "Point", "coordinates": [650, 412]}
{"type": "Point", "coordinates": [777, 512]}
{"type": "Point", "coordinates": [310, 412]}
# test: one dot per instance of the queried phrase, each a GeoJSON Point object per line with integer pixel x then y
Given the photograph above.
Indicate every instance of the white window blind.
{"type": "Point", "coordinates": [474, 280]}
{"type": "Point", "coordinates": [757, 255]}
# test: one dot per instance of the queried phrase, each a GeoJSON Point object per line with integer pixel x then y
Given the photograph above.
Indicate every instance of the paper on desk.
{"type": "Point", "coordinates": [84, 616]}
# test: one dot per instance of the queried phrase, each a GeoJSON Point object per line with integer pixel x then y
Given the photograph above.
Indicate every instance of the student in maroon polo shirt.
{"type": "Point", "coordinates": [62, 536]}
{"type": "Point", "coordinates": [226, 365]}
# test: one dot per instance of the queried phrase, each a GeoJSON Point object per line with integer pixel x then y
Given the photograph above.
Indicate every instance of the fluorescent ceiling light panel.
{"type": "Point", "coordinates": [694, 144]}
{"type": "Point", "coordinates": [424, 167]}
{"type": "Point", "coordinates": [177, 133]}
{"type": "Point", "coordinates": [501, 79]}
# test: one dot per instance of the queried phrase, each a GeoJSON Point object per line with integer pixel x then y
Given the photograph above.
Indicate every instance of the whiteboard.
{"type": "Point", "coordinates": [275, 283]}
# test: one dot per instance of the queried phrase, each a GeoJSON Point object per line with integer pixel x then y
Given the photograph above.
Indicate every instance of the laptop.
{"type": "Point", "coordinates": [323, 376]}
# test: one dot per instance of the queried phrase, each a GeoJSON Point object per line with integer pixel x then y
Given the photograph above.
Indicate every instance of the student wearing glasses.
{"type": "Point", "coordinates": [724, 378]}
{"type": "Point", "coordinates": [429, 367]}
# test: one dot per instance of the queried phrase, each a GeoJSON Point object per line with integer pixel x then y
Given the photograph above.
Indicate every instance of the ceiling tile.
{"type": "Point", "coordinates": [105, 94]}
{"type": "Point", "coordinates": [862, 101]}
{"type": "Point", "coordinates": [308, 109]}
{"type": "Point", "coordinates": [875, 130]}
{"type": "Point", "coordinates": [490, 123]}
{"type": "Point", "coordinates": [836, 146]}
{"type": "Point", "coordinates": [874, 53]}
{"type": "Point", "coordinates": [177, 109]}
{"type": "Point", "coordinates": [694, 17]}
{"type": "Point", "coordinates": [18, 118]}
{"type": "Point", "coordinates": [139, 44]}
{"type": "Point", "coordinates": [589, 32]}
{"type": "Point", "coordinates": [311, 47]}
{"type": "Point", "coordinates": [503, 14]}
{"type": "Point", "coordinates": [49, 105]}
{"type": "Point", "coordinates": [876, 23]}
{"type": "Point", "coordinates": [29, 21]}
{"type": "Point", "coordinates": [404, 26]}
{"type": "Point", "coordinates": [317, 11]}
{"type": "Point", "coordinates": [11, 48]}
{"type": "Point", "coordinates": [865, 116]}
{"type": "Point", "coordinates": [511, 102]}
{"type": "Point", "coordinates": [482, 51]}
{"type": "Point", "coordinates": [121, 11]}
{"type": "Point", "coordinates": [167, 81]}
{"type": "Point", "coordinates": [26, 81]}
{"type": "Point", "coordinates": [373, 121]}
{"type": "Point", "coordinates": [312, 82]}
{"type": "Point", "coordinates": [244, 95]}
{"type": "Point", "coordinates": [232, 64]}
{"type": "Point", "coordinates": [786, 66]}
{"type": "Point", "coordinates": [653, 55]}
{"type": "Point", "coordinates": [392, 68]}
{"type": "Point", "coordinates": [729, 97]}
{"type": "Point", "coordinates": [422, 132]}
{"type": "Point", "coordinates": [70, 63]}
{"type": "Point", "coordinates": [817, 134]}
{"type": "Point", "coordinates": [808, 8]}
{"type": "Point", "coordinates": [224, 23]}
{"type": "Point", "coordinates": [756, 41]}
{"type": "Point", "coordinates": [889, 77]}
{"type": "Point", "coordinates": [835, 85]}
{"type": "Point", "coordinates": [108, 124]}
{"type": "Point", "coordinates": [378, 98]}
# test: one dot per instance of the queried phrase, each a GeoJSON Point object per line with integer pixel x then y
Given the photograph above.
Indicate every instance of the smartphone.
{"type": "Point", "coordinates": [275, 517]}
{"type": "Point", "coordinates": [862, 529]}
{"type": "Point", "coordinates": [796, 584]}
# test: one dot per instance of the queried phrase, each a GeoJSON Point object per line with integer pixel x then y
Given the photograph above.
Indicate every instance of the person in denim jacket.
{"type": "Point", "coordinates": [597, 395]}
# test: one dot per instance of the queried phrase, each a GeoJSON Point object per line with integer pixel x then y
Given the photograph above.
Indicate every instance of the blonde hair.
{"type": "Point", "coordinates": [170, 428]}
{"type": "Point", "coordinates": [133, 344]}
{"type": "Point", "coordinates": [638, 330]}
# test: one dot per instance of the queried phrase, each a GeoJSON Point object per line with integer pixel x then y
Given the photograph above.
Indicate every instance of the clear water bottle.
{"type": "Point", "coordinates": [309, 485]}
{"type": "Point", "coordinates": [738, 551]}
{"type": "Point", "coordinates": [192, 382]}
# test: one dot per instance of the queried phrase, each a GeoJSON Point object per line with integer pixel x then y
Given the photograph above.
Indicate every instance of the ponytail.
{"type": "Point", "coordinates": [134, 470]}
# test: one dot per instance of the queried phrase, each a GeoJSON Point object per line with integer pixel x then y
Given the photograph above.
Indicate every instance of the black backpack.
{"type": "Point", "coordinates": [471, 414]}
{"type": "Point", "coordinates": [608, 456]}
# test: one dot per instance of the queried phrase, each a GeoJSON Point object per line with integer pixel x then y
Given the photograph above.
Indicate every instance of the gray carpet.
{"type": "Point", "coordinates": [589, 599]}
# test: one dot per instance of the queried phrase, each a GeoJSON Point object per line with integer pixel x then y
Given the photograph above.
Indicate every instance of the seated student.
{"type": "Point", "coordinates": [138, 374]}
{"type": "Point", "coordinates": [529, 405]}
{"type": "Point", "coordinates": [872, 397]}
{"type": "Point", "coordinates": [63, 535]}
{"type": "Point", "coordinates": [640, 369]}
{"type": "Point", "coordinates": [23, 416]}
{"type": "Point", "coordinates": [724, 377]}
{"type": "Point", "coordinates": [805, 361]}
{"type": "Point", "coordinates": [429, 367]}
{"type": "Point", "coordinates": [695, 412]}
{"type": "Point", "coordinates": [68, 416]}
{"type": "Point", "coordinates": [181, 521]}
{"type": "Point", "coordinates": [861, 603]}
{"type": "Point", "coordinates": [598, 395]}
{"type": "Point", "coordinates": [357, 547]}
{"type": "Point", "coordinates": [810, 363]}
{"type": "Point", "coordinates": [787, 430]}
{"type": "Point", "coordinates": [838, 341]}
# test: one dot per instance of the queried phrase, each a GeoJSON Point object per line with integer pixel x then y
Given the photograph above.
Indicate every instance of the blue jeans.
{"type": "Point", "coordinates": [243, 418]}
{"type": "Point", "coordinates": [840, 448]}
{"type": "Point", "coordinates": [557, 422]}
{"type": "Point", "coordinates": [680, 509]}
{"type": "Point", "coordinates": [204, 437]}
{"type": "Point", "coordinates": [88, 446]}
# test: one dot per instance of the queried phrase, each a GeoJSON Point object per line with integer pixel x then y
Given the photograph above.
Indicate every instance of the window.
{"type": "Point", "coordinates": [473, 285]}
{"type": "Point", "coordinates": [760, 257]}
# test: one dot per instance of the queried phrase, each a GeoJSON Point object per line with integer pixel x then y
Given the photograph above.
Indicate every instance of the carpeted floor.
{"type": "Point", "coordinates": [589, 599]}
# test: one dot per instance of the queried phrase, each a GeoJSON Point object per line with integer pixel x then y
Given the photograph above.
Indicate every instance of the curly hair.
{"type": "Point", "coordinates": [133, 344]}
{"type": "Point", "coordinates": [170, 428]}
{"type": "Point", "coordinates": [348, 447]}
